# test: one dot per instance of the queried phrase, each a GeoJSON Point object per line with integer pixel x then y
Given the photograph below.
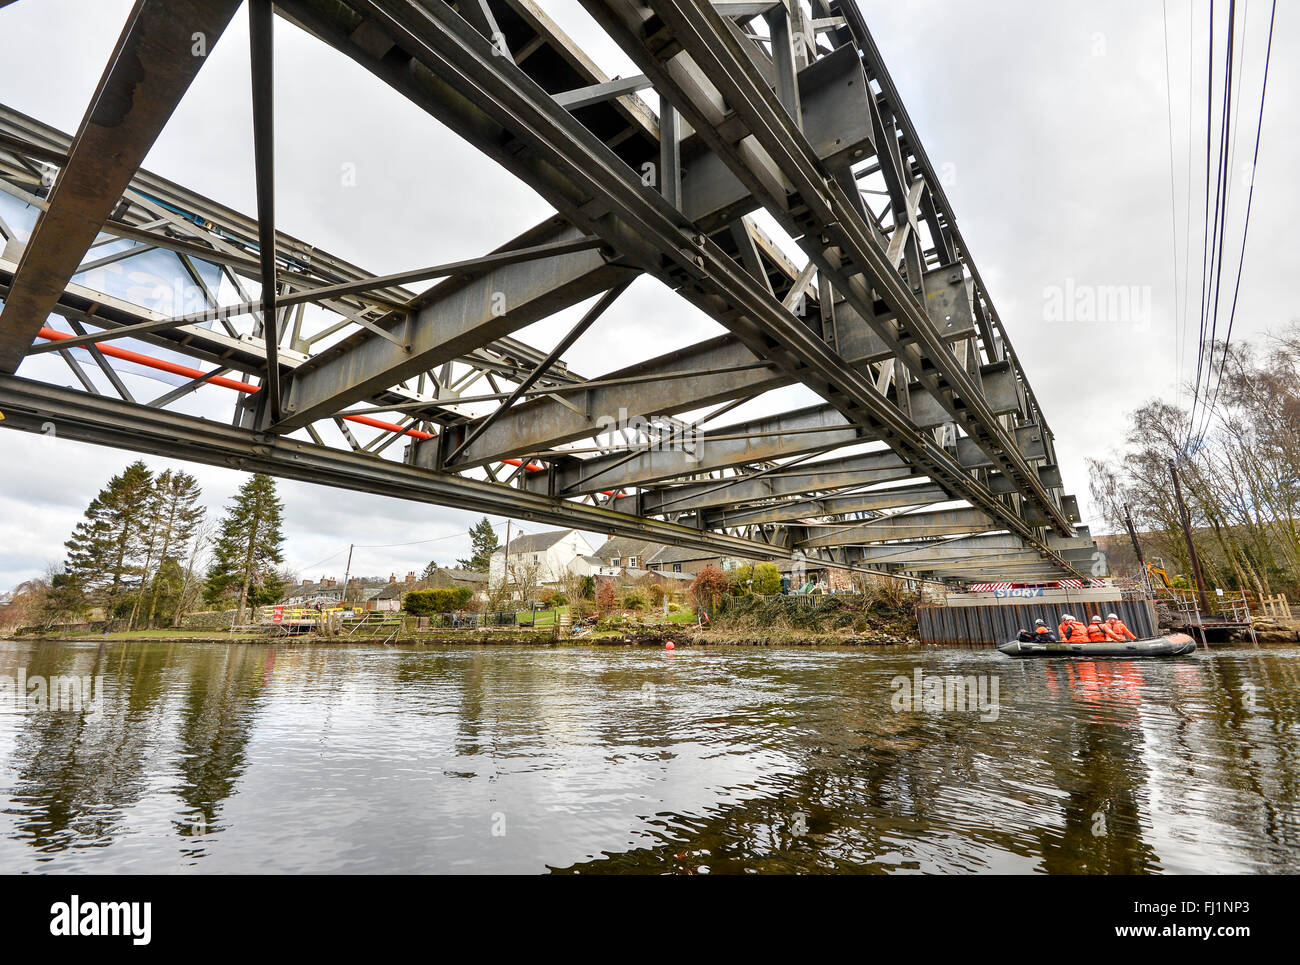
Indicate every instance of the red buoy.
{"type": "Point", "coordinates": [669, 646]}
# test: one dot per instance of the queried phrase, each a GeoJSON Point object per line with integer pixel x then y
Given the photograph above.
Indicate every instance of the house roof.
{"type": "Point", "coordinates": [638, 572]}
{"type": "Point", "coordinates": [681, 554]}
{"type": "Point", "coordinates": [622, 547]}
{"type": "Point", "coordinates": [449, 576]}
{"type": "Point", "coordinates": [468, 576]}
{"type": "Point", "coordinates": [442, 578]}
{"type": "Point", "coordinates": [309, 589]}
{"type": "Point", "coordinates": [534, 542]}
{"type": "Point", "coordinates": [299, 590]}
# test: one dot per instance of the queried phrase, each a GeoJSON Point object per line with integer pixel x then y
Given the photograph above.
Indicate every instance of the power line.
{"type": "Point", "coordinates": [1220, 199]}
{"type": "Point", "coordinates": [1250, 196]}
{"type": "Point", "coordinates": [1205, 233]}
{"type": "Point", "coordinates": [1173, 188]}
{"type": "Point", "coordinates": [1181, 349]}
{"type": "Point", "coordinates": [374, 546]}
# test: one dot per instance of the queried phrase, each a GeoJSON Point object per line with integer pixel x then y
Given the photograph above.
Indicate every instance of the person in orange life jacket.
{"type": "Point", "coordinates": [1071, 630]}
{"type": "Point", "coordinates": [1098, 632]}
{"type": "Point", "coordinates": [1117, 628]}
{"type": "Point", "coordinates": [1042, 634]}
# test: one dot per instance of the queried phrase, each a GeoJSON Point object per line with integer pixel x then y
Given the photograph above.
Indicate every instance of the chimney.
{"type": "Point", "coordinates": [392, 577]}
{"type": "Point", "coordinates": [410, 577]}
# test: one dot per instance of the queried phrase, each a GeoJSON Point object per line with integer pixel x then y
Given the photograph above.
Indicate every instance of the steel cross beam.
{"type": "Point", "coordinates": [218, 233]}
{"type": "Point", "coordinates": [722, 369]}
{"type": "Point", "coordinates": [151, 68]}
{"type": "Point", "coordinates": [29, 405]}
{"type": "Point", "coordinates": [33, 406]}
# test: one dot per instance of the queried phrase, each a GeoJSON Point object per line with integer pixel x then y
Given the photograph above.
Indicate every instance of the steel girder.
{"type": "Point", "coordinates": [846, 505]}
{"type": "Point", "coordinates": [888, 321]}
{"type": "Point", "coordinates": [721, 369]}
{"type": "Point", "coordinates": [161, 214]}
{"type": "Point", "coordinates": [33, 407]}
{"type": "Point", "coordinates": [150, 69]}
{"type": "Point", "coordinates": [705, 71]}
{"type": "Point", "coordinates": [510, 118]}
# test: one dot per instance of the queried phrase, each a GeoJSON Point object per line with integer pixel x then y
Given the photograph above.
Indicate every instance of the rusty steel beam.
{"type": "Point", "coordinates": [158, 54]}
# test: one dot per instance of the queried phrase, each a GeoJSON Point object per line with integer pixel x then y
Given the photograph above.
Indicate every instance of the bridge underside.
{"type": "Point", "coordinates": [927, 454]}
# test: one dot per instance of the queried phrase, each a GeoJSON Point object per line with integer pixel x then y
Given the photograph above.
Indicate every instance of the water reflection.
{"type": "Point", "coordinates": [596, 760]}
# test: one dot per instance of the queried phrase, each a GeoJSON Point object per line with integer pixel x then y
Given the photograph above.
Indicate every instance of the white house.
{"type": "Point", "coordinates": [554, 555]}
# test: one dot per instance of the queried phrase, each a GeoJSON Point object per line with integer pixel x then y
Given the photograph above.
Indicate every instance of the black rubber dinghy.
{"type": "Point", "coordinates": [1174, 645]}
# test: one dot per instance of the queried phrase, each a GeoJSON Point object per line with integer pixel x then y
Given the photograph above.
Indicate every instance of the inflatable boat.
{"type": "Point", "coordinates": [1174, 645]}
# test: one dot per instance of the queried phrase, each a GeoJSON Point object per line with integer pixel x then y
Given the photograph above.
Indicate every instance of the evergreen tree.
{"type": "Point", "coordinates": [105, 549]}
{"type": "Point", "coordinates": [247, 548]}
{"type": "Point", "coordinates": [483, 540]}
{"type": "Point", "coordinates": [64, 600]}
{"type": "Point", "coordinates": [175, 514]}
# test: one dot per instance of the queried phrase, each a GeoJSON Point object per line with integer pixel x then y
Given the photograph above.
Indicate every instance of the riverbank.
{"type": "Point", "coordinates": [659, 637]}
{"type": "Point", "coordinates": [742, 622]}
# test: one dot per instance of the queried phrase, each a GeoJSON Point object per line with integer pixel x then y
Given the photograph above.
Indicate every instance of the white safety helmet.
{"type": "Point", "coordinates": [1067, 618]}
{"type": "Point", "coordinates": [1039, 623]}
{"type": "Point", "coordinates": [1112, 616]}
{"type": "Point", "coordinates": [1095, 620]}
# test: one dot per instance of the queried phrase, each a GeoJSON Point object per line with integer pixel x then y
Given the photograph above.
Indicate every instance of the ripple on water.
{"type": "Point", "coordinates": [590, 760]}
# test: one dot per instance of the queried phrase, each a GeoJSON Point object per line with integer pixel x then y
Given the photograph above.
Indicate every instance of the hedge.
{"type": "Point", "coordinates": [440, 600]}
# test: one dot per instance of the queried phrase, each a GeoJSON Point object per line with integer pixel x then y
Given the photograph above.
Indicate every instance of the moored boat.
{"type": "Point", "coordinates": [1174, 645]}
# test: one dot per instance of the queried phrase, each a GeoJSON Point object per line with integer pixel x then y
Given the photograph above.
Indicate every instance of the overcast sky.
{"type": "Point", "coordinates": [1047, 121]}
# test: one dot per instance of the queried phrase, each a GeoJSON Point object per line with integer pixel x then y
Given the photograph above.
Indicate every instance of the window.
{"type": "Point", "coordinates": [631, 561]}
{"type": "Point", "coordinates": [677, 567]}
{"type": "Point", "coordinates": [614, 561]}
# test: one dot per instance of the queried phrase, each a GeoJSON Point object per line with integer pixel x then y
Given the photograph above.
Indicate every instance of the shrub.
{"type": "Point", "coordinates": [606, 597]}
{"type": "Point", "coordinates": [657, 594]}
{"type": "Point", "coordinates": [441, 600]}
{"type": "Point", "coordinates": [767, 579]}
{"type": "Point", "coordinates": [709, 586]}
{"type": "Point", "coordinates": [761, 578]}
{"type": "Point", "coordinates": [633, 598]}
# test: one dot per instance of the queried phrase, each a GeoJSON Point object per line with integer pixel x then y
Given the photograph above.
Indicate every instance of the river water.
{"type": "Point", "coordinates": [583, 759]}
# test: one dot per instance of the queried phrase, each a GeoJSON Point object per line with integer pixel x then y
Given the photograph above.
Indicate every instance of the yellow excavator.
{"type": "Point", "coordinates": [1154, 571]}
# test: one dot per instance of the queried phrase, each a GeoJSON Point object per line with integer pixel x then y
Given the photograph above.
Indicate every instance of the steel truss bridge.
{"type": "Point", "coordinates": [928, 454]}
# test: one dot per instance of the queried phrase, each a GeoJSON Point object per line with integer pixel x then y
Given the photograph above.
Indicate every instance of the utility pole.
{"type": "Point", "coordinates": [505, 573]}
{"type": "Point", "coordinates": [1137, 547]}
{"type": "Point", "coordinates": [347, 573]}
{"type": "Point", "coordinates": [1191, 547]}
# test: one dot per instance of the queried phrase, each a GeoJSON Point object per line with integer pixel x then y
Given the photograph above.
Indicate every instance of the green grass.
{"type": "Point", "coordinates": [545, 618]}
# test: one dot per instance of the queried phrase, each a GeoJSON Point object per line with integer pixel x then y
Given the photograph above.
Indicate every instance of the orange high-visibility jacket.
{"type": "Point", "coordinates": [1073, 632]}
{"type": "Point", "coordinates": [1119, 630]}
{"type": "Point", "coordinates": [1097, 633]}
